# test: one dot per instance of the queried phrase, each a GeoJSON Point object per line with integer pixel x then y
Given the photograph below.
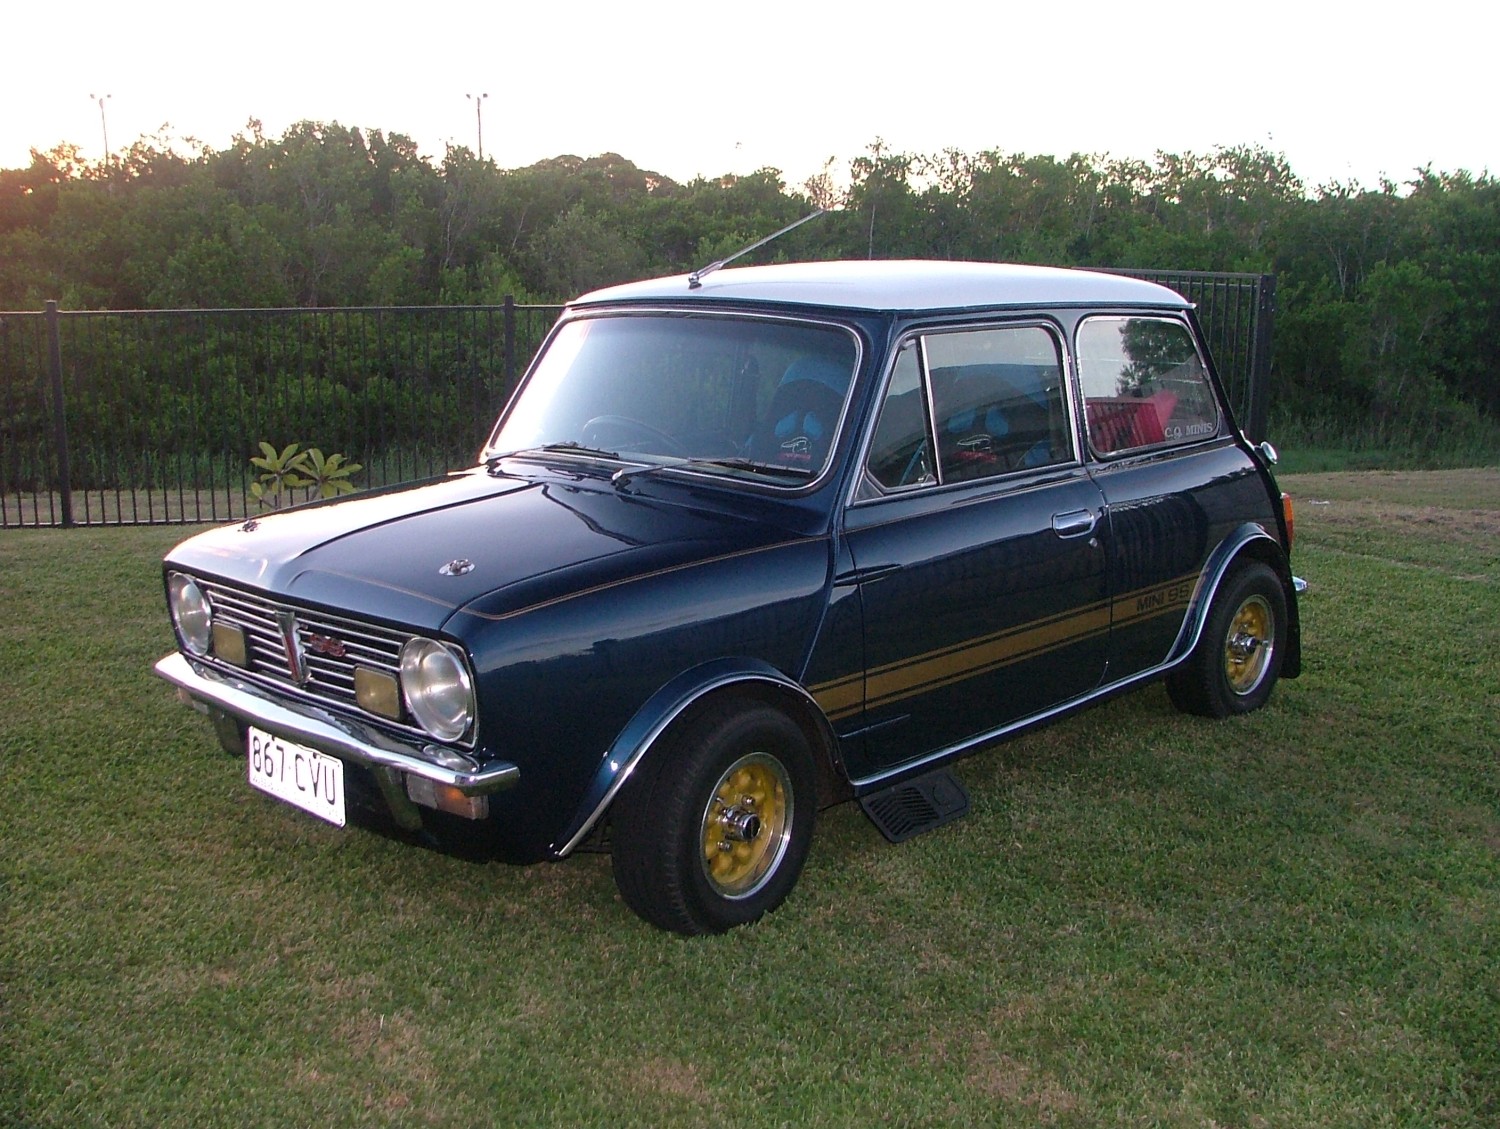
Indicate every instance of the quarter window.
{"type": "Point", "coordinates": [901, 452]}
{"type": "Point", "coordinates": [1144, 384]}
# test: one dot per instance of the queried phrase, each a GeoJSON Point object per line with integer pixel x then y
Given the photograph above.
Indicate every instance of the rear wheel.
{"type": "Point", "coordinates": [1238, 658]}
{"type": "Point", "coordinates": [712, 829]}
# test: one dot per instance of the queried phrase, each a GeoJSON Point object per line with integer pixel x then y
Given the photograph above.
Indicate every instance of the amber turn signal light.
{"type": "Point", "coordinates": [445, 797]}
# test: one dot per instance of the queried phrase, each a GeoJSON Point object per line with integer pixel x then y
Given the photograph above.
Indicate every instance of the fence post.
{"type": "Point", "coordinates": [510, 346]}
{"type": "Point", "coordinates": [64, 482]}
{"type": "Point", "coordinates": [1260, 372]}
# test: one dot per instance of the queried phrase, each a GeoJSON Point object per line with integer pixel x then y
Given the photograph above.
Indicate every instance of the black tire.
{"type": "Point", "coordinates": [1237, 660]}
{"type": "Point", "coordinates": [691, 857]}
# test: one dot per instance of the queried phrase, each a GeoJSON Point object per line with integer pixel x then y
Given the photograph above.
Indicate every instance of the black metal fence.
{"type": "Point", "coordinates": [150, 417]}
{"type": "Point", "coordinates": [1238, 312]}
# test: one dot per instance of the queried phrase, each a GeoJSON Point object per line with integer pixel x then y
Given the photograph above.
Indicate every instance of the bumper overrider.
{"type": "Point", "coordinates": [389, 758]}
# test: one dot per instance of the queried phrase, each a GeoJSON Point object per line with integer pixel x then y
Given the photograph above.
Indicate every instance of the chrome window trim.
{"type": "Point", "coordinates": [861, 480]}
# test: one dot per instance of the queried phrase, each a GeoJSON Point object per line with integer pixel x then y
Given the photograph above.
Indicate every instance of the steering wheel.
{"type": "Point", "coordinates": [609, 424]}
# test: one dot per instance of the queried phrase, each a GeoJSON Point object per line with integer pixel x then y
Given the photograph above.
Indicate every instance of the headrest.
{"type": "Point", "coordinates": [820, 370]}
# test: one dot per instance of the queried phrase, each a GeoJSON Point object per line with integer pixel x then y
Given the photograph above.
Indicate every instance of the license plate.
{"type": "Point", "coordinates": [303, 777]}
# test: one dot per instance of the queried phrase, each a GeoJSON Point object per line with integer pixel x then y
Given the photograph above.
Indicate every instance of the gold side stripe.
{"type": "Point", "coordinates": [844, 695]}
{"type": "Point", "coordinates": [993, 637]}
{"type": "Point", "coordinates": [946, 670]}
{"type": "Point", "coordinates": [841, 700]}
{"type": "Point", "coordinates": [932, 670]}
{"type": "Point", "coordinates": [1147, 603]}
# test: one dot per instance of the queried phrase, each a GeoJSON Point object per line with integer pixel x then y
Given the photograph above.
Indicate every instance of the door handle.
{"type": "Point", "coordinates": [865, 575]}
{"type": "Point", "coordinates": [1074, 523]}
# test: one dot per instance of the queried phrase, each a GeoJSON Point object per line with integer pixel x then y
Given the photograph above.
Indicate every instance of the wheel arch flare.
{"type": "Point", "coordinates": [673, 704]}
{"type": "Point", "coordinates": [1254, 542]}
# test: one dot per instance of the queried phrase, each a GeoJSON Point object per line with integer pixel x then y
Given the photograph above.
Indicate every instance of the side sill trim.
{"type": "Point", "coordinates": [878, 780]}
{"type": "Point", "coordinates": [338, 736]}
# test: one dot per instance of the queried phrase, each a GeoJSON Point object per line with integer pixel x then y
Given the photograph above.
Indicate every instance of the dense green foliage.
{"type": "Point", "coordinates": [1389, 312]}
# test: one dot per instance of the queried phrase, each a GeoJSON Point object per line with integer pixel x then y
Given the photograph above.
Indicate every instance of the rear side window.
{"type": "Point", "coordinates": [1144, 384]}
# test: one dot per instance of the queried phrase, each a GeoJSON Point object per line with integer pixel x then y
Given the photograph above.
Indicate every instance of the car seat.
{"type": "Point", "coordinates": [798, 427]}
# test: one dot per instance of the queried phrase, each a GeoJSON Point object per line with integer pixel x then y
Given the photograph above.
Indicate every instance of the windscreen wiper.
{"type": "Point", "coordinates": [565, 447]}
{"type": "Point", "coordinates": [625, 474]}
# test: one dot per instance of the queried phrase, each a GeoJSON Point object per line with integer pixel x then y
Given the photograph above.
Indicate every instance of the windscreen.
{"type": "Point", "coordinates": [735, 393]}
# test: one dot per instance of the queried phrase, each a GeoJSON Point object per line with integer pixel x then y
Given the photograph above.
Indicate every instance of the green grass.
{"type": "Point", "coordinates": [1291, 919]}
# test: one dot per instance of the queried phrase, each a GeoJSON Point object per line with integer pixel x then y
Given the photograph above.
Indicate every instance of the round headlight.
{"type": "Point", "coordinates": [437, 689]}
{"type": "Point", "coordinates": [191, 613]}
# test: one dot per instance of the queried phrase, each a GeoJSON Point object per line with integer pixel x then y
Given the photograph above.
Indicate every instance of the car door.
{"type": "Point", "coordinates": [1174, 482]}
{"type": "Point", "coordinates": [976, 547]}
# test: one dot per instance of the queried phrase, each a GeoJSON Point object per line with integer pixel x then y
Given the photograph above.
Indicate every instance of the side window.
{"type": "Point", "coordinates": [971, 404]}
{"type": "Point", "coordinates": [997, 401]}
{"type": "Point", "coordinates": [1144, 384]}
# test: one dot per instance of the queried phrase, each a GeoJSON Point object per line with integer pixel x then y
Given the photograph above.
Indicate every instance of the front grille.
{"type": "Point", "coordinates": [331, 647]}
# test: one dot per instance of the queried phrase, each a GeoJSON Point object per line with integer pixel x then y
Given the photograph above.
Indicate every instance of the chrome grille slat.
{"type": "Point", "coordinates": [330, 677]}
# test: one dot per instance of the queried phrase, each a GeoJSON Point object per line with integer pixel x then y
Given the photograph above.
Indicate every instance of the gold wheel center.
{"type": "Point", "coordinates": [1248, 646]}
{"type": "Point", "coordinates": [745, 824]}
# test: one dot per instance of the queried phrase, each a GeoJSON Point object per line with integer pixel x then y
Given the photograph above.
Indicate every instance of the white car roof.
{"type": "Point", "coordinates": [889, 285]}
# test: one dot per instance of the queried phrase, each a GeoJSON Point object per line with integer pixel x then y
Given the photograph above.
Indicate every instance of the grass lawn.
{"type": "Point", "coordinates": [1291, 919]}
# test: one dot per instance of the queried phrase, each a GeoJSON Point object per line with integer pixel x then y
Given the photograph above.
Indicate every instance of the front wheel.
{"type": "Point", "coordinates": [1238, 658]}
{"type": "Point", "coordinates": [712, 829]}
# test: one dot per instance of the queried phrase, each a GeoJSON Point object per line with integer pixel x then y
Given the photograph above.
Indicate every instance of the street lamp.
{"type": "Point", "coordinates": [479, 118]}
{"type": "Point", "coordinates": [103, 127]}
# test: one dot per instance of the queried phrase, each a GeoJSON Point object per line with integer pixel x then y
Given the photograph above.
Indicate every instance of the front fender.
{"type": "Point", "coordinates": [656, 716]}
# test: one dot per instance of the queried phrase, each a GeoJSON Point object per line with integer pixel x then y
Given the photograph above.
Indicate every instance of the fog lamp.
{"type": "Point", "coordinates": [377, 692]}
{"type": "Point", "coordinates": [229, 644]}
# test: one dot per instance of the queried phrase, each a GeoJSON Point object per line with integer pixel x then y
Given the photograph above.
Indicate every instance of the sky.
{"type": "Point", "coordinates": [1345, 91]}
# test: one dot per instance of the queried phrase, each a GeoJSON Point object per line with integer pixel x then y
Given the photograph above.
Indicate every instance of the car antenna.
{"type": "Point", "coordinates": [695, 279]}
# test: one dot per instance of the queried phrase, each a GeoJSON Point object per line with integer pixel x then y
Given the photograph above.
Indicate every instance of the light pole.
{"type": "Point", "coordinates": [103, 127]}
{"type": "Point", "coordinates": [479, 118]}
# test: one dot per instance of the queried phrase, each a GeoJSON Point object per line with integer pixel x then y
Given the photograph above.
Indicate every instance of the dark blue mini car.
{"type": "Point", "coordinates": [746, 545]}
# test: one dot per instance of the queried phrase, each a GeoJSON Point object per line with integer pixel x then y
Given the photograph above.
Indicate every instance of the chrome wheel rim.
{"type": "Point", "coordinates": [746, 826]}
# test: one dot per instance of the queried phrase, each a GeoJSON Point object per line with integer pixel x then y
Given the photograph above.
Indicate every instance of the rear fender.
{"type": "Point", "coordinates": [1249, 542]}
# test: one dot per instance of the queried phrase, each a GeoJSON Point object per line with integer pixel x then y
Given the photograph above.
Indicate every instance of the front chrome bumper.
{"type": "Point", "coordinates": [329, 733]}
